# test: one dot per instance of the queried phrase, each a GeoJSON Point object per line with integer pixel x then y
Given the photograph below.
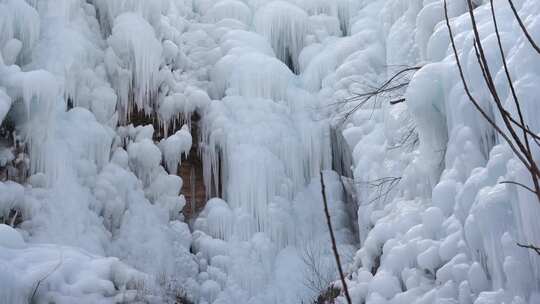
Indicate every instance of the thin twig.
{"type": "Point", "coordinates": [394, 102]}
{"type": "Point", "coordinates": [411, 135]}
{"type": "Point", "coordinates": [532, 247]}
{"type": "Point", "coordinates": [46, 276]}
{"type": "Point", "coordinates": [388, 86]}
{"type": "Point", "coordinates": [518, 184]}
{"type": "Point", "coordinates": [333, 239]}
{"type": "Point", "coordinates": [507, 72]}
{"type": "Point", "coordinates": [482, 61]}
{"type": "Point", "coordinates": [384, 187]}
{"type": "Point", "coordinates": [524, 28]}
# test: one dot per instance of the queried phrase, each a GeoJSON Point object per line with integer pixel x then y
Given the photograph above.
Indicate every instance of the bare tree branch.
{"type": "Point", "coordinates": [470, 96]}
{"type": "Point", "coordinates": [333, 239]}
{"type": "Point", "coordinates": [383, 186]}
{"type": "Point", "coordinates": [522, 145]}
{"type": "Point", "coordinates": [519, 145]}
{"type": "Point", "coordinates": [395, 83]}
{"type": "Point", "coordinates": [523, 27]}
{"type": "Point", "coordinates": [532, 247]}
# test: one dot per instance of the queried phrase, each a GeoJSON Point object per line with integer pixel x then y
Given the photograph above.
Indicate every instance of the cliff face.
{"type": "Point", "coordinates": [122, 121]}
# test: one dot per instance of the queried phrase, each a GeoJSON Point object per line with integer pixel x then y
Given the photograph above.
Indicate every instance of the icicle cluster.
{"type": "Point", "coordinates": [133, 60]}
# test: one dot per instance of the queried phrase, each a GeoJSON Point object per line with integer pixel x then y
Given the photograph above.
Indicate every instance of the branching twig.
{"type": "Point", "coordinates": [384, 187]}
{"type": "Point", "coordinates": [389, 86]}
{"type": "Point", "coordinates": [333, 239]}
{"type": "Point", "coordinates": [317, 277]}
{"type": "Point", "coordinates": [410, 139]}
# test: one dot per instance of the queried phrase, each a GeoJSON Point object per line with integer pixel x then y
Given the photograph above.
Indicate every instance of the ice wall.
{"type": "Point", "coordinates": [436, 224]}
{"type": "Point", "coordinates": [264, 144]}
{"type": "Point", "coordinates": [285, 26]}
{"type": "Point", "coordinates": [133, 60]}
{"type": "Point", "coordinates": [96, 101]}
{"type": "Point", "coordinates": [94, 217]}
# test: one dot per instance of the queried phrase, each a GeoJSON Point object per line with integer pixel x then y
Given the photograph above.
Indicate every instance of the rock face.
{"type": "Point", "coordinates": [191, 171]}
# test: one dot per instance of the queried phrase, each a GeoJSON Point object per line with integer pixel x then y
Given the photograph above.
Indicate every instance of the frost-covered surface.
{"type": "Point", "coordinates": [96, 104]}
{"type": "Point", "coordinates": [96, 101]}
{"type": "Point", "coordinates": [100, 215]}
{"type": "Point", "coordinates": [447, 232]}
{"type": "Point", "coordinates": [263, 146]}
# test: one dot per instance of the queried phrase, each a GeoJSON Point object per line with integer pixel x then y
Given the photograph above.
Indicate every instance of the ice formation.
{"type": "Point", "coordinates": [104, 105]}
{"type": "Point", "coordinates": [174, 146]}
{"type": "Point", "coordinates": [285, 26]}
{"type": "Point", "coordinates": [447, 232]}
{"type": "Point", "coordinates": [229, 9]}
{"type": "Point", "coordinates": [133, 59]}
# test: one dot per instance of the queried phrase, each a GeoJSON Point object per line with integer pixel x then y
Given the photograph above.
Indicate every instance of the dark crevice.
{"type": "Point", "coordinates": [191, 172]}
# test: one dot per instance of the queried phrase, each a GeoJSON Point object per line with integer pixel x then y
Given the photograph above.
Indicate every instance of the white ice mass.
{"type": "Point", "coordinates": [170, 151]}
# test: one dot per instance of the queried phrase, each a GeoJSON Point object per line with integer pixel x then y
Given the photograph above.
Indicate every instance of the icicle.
{"type": "Point", "coordinates": [39, 92]}
{"type": "Point", "coordinates": [285, 26]}
{"type": "Point", "coordinates": [21, 21]}
{"type": "Point", "coordinates": [219, 219]}
{"type": "Point", "coordinates": [109, 10]}
{"type": "Point", "coordinates": [135, 47]}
